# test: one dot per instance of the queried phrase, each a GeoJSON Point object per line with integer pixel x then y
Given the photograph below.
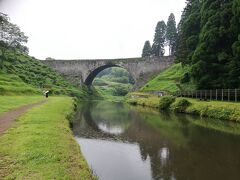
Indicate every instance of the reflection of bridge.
{"type": "Point", "coordinates": [149, 140]}
{"type": "Point", "coordinates": [84, 71]}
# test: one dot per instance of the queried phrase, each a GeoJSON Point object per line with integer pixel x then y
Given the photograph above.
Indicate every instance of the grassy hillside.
{"type": "Point", "coordinates": [11, 84]}
{"type": "Point", "coordinates": [170, 80]}
{"type": "Point", "coordinates": [22, 74]}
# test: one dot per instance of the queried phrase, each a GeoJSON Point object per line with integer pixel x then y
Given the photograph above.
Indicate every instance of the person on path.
{"type": "Point", "coordinates": [46, 93]}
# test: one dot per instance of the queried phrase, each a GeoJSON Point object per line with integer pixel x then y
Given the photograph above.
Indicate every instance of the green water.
{"type": "Point", "coordinates": [122, 142]}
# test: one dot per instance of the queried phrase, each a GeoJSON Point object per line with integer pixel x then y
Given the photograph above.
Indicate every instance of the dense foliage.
{"type": "Point", "coordinates": [209, 41]}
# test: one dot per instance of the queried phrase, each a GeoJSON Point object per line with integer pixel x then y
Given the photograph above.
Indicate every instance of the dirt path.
{"type": "Point", "coordinates": [6, 119]}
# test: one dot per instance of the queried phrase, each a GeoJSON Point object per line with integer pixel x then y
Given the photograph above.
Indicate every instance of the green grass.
{"type": "Point", "coordinates": [213, 109]}
{"type": "Point", "coordinates": [41, 145]}
{"type": "Point", "coordinates": [169, 80]}
{"type": "Point", "coordinates": [22, 74]}
{"type": "Point", "coordinates": [143, 99]}
{"type": "Point", "coordinates": [11, 84]}
{"type": "Point", "coordinates": [8, 103]}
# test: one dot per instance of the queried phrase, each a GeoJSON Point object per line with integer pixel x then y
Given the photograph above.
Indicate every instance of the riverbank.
{"type": "Point", "coordinates": [40, 145]}
{"type": "Point", "coordinates": [213, 109]}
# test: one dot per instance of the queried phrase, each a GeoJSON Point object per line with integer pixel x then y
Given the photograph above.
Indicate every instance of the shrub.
{"type": "Point", "coordinates": [180, 105]}
{"type": "Point", "coordinates": [165, 102]}
{"type": "Point", "coordinates": [120, 91]}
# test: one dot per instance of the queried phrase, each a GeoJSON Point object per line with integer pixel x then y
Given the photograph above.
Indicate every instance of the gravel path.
{"type": "Point", "coordinates": [6, 119]}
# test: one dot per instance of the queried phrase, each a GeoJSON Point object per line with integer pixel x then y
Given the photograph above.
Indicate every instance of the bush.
{"type": "Point", "coordinates": [180, 105]}
{"type": "Point", "coordinates": [165, 102]}
{"type": "Point", "coordinates": [120, 91]}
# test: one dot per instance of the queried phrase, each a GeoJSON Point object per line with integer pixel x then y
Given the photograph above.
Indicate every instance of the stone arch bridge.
{"type": "Point", "coordinates": [81, 72]}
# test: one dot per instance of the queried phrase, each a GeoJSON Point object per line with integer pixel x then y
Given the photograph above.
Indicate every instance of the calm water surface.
{"type": "Point", "coordinates": [121, 142]}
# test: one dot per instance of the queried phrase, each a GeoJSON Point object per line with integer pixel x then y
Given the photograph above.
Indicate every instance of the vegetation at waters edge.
{"type": "Point", "coordinates": [213, 109]}
{"type": "Point", "coordinates": [179, 105]}
{"type": "Point", "coordinates": [165, 102]}
{"type": "Point", "coordinates": [174, 78]}
{"type": "Point", "coordinates": [41, 145]}
{"type": "Point", "coordinates": [10, 102]}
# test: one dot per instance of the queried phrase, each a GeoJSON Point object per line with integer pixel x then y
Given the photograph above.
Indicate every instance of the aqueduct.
{"type": "Point", "coordinates": [84, 71]}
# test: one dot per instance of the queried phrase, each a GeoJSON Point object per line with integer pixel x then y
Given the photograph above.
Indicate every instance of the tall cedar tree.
{"type": "Point", "coordinates": [209, 41]}
{"type": "Point", "coordinates": [146, 49]}
{"type": "Point", "coordinates": [171, 34]}
{"type": "Point", "coordinates": [188, 32]}
{"type": "Point", "coordinates": [214, 52]}
{"type": "Point", "coordinates": [159, 39]}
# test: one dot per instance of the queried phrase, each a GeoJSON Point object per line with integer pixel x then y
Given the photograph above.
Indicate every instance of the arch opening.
{"type": "Point", "coordinates": [93, 74]}
{"type": "Point", "coordinates": [111, 80]}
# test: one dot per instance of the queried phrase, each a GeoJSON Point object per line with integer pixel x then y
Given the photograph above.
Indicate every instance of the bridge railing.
{"type": "Point", "coordinates": [216, 94]}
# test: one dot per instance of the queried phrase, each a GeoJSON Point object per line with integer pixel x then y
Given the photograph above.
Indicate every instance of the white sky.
{"type": "Point", "coordinates": [79, 29]}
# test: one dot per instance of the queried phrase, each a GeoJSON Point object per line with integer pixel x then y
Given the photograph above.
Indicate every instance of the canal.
{"type": "Point", "coordinates": [122, 142]}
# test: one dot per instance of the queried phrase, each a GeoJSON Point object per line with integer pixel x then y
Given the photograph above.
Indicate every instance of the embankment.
{"type": "Point", "coordinates": [213, 109]}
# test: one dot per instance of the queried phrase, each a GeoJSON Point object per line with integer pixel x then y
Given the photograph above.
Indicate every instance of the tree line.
{"type": "Point", "coordinates": [207, 39]}
{"type": "Point", "coordinates": [164, 35]}
{"type": "Point", "coordinates": [11, 37]}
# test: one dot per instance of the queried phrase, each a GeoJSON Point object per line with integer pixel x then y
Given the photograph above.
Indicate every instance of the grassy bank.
{"type": "Point", "coordinates": [41, 145]}
{"type": "Point", "coordinates": [213, 109]}
{"type": "Point", "coordinates": [8, 103]}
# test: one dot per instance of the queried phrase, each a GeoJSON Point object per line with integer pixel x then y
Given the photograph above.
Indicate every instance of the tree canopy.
{"type": "Point", "coordinates": [159, 39]}
{"type": "Point", "coordinates": [171, 34]}
{"type": "Point", "coordinates": [11, 36]}
{"type": "Point", "coordinates": [208, 41]}
{"type": "Point", "coordinates": [147, 49]}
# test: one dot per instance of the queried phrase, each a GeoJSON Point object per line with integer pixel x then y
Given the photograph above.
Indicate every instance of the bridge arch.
{"type": "Point", "coordinates": [91, 76]}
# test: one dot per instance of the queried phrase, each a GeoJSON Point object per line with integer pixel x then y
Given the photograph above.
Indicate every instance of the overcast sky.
{"type": "Point", "coordinates": [87, 29]}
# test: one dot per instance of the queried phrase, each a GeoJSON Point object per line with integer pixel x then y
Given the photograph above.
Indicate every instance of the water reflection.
{"type": "Point", "coordinates": [123, 142]}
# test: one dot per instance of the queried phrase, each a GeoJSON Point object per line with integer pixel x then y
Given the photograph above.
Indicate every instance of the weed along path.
{"type": "Point", "coordinates": [7, 118]}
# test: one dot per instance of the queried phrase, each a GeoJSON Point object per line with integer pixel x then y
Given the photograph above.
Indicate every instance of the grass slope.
{"type": "Point", "coordinates": [8, 103]}
{"type": "Point", "coordinates": [41, 145]}
{"type": "Point", "coordinates": [169, 80]}
{"type": "Point", "coordinates": [22, 74]}
{"type": "Point", "coordinates": [11, 84]}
